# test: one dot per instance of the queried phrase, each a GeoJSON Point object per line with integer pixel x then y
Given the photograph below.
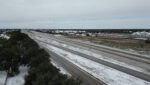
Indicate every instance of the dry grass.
{"type": "Point", "coordinates": [117, 42]}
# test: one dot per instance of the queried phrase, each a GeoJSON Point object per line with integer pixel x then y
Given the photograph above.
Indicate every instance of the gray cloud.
{"type": "Point", "coordinates": [77, 13]}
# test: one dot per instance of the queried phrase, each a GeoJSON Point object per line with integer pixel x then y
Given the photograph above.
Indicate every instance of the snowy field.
{"type": "Point", "coordinates": [108, 75]}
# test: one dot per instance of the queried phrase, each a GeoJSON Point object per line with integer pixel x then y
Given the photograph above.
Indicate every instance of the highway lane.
{"type": "Point", "coordinates": [137, 74]}
{"type": "Point", "coordinates": [115, 66]}
{"type": "Point", "coordinates": [136, 61]}
{"type": "Point", "coordinates": [74, 70]}
{"type": "Point", "coordinates": [120, 53]}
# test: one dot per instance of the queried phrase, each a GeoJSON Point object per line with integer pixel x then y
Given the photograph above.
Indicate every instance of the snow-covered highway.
{"type": "Point", "coordinates": [100, 65]}
{"type": "Point", "coordinates": [74, 70]}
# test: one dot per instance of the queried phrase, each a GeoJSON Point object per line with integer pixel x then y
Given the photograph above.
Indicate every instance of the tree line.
{"type": "Point", "coordinates": [22, 50]}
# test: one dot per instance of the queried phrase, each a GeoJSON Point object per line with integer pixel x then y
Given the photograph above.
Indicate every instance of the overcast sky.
{"type": "Point", "coordinates": [93, 14]}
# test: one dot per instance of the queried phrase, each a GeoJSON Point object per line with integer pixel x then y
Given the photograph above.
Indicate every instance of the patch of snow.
{"type": "Point", "coordinates": [18, 79]}
{"type": "Point", "coordinates": [3, 75]}
{"type": "Point", "coordinates": [141, 35]}
{"type": "Point", "coordinates": [108, 75]}
{"type": "Point", "coordinates": [62, 70]}
{"type": "Point", "coordinates": [57, 35]}
{"type": "Point", "coordinates": [4, 36]}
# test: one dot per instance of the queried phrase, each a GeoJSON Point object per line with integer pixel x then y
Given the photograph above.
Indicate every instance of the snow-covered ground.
{"type": "Point", "coordinates": [108, 75]}
{"type": "Point", "coordinates": [3, 75]}
{"type": "Point", "coordinates": [4, 36]}
{"type": "Point", "coordinates": [15, 80]}
{"type": "Point", "coordinates": [62, 70]}
{"type": "Point", "coordinates": [18, 79]}
{"type": "Point", "coordinates": [91, 53]}
{"type": "Point", "coordinates": [141, 35]}
{"type": "Point", "coordinates": [57, 35]}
